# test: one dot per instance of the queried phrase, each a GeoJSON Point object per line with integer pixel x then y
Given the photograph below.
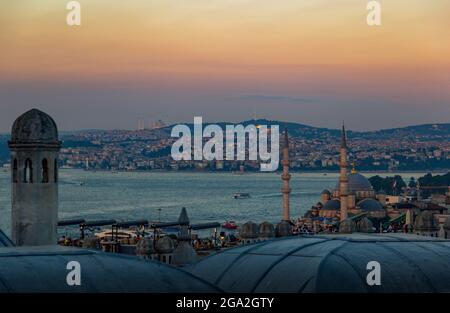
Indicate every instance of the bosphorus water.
{"type": "Point", "coordinates": [155, 196]}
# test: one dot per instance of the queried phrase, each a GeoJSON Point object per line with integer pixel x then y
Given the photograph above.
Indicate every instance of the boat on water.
{"type": "Point", "coordinates": [241, 195]}
{"type": "Point", "coordinates": [229, 225]}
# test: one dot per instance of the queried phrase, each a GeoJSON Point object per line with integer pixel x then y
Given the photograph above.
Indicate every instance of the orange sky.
{"type": "Point", "coordinates": [311, 47]}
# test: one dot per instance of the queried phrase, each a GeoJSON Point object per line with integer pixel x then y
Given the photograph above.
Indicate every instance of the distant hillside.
{"type": "Point", "coordinates": [422, 132]}
{"type": "Point", "coordinates": [428, 131]}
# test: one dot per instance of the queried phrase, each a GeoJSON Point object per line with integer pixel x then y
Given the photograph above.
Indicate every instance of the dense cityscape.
{"type": "Point", "coordinates": [418, 148]}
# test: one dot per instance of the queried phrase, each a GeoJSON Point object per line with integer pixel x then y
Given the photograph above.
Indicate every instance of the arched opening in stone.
{"type": "Point", "coordinates": [28, 172]}
{"type": "Point", "coordinates": [15, 170]}
{"type": "Point", "coordinates": [55, 171]}
{"type": "Point", "coordinates": [45, 171]}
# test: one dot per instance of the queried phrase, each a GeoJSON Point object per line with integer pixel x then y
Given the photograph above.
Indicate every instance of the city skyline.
{"type": "Point", "coordinates": [315, 63]}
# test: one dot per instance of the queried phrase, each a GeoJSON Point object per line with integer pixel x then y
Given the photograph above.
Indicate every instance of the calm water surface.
{"type": "Point", "coordinates": [207, 196]}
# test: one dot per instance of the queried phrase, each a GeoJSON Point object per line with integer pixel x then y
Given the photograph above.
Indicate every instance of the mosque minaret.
{"type": "Point", "coordinates": [286, 177]}
{"type": "Point", "coordinates": [34, 149]}
{"type": "Point", "coordinates": [343, 179]}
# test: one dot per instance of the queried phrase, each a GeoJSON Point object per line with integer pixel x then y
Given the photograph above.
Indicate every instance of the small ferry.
{"type": "Point", "coordinates": [229, 225]}
{"type": "Point", "coordinates": [241, 195]}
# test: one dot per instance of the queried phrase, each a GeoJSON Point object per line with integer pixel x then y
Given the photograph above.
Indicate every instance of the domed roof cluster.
{"type": "Point", "coordinates": [252, 230]}
{"type": "Point", "coordinates": [34, 126]}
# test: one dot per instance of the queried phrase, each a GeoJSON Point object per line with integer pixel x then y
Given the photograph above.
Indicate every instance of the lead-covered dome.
{"type": "Point", "coordinates": [34, 126]}
{"type": "Point", "coordinates": [357, 182]}
{"type": "Point", "coordinates": [330, 264]}
{"type": "Point", "coordinates": [334, 205]}
{"type": "Point", "coordinates": [369, 205]}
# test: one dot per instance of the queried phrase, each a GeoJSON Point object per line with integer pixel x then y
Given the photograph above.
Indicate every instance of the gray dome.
{"type": "Point", "coordinates": [333, 204]}
{"type": "Point", "coordinates": [248, 231]}
{"type": "Point", "coordinates": [357, 182]}
{"type": "Point", "coordinates": [34, 126]}
{"type": "Point", "coordinates": [425, 222]}
{"type": "Point", "coordinates": [283, 229]}
{"type": "Point", "coordinates": [165, 245]}
{"type": "Point", "coordinates": [43, 269]}
{"type": "Point", "coordinates": [369, 205]}
{"type": "Point", "coordinates": [144, 247]}
{"type": "Point", "coordinates": [266, 230]}
{"type": "Point", "coordinates": [331, 264]}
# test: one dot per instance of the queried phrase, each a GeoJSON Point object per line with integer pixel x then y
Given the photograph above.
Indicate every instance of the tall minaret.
{"type": "Point", "coordinates": [285, 176]}
{"type": "Point", "coordinates": [343, 179]}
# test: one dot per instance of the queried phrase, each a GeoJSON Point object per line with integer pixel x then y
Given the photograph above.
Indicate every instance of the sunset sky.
{"type": "Point", "coordinates": [314, 62]}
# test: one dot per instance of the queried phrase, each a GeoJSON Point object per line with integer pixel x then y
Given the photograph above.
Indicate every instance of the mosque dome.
{"type": "Point", "coordinates": [369, 205]}
{"type": "Point", "coordinates": [425, 222]}
{"type": "Point", "coordinates": [333, 204]}
{"type": "Point", "coordinates": [144, 247]}
{"type": "Point", "coordinates": [330, 264]}
{"type": "Point", "coordinates": [165, 245]}
{"type": "Point", "coordinates": [266, 230]}
{"type": "Point", "coordinates": [34, 126]}
{"type": "Point", "coordinates": [357, 182]}
{"type": "Point", "coordinates": [249, 231]}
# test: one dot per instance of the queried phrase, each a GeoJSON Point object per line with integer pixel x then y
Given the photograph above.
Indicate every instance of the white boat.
{"type": "Point", "coordinates": [241, 195]}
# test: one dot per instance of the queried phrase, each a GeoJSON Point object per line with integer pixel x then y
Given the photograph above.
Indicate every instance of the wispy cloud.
{"type": "Point", "coordinates": [274, 98]}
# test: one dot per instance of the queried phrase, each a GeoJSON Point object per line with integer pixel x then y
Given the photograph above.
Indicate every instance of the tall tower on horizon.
{"type": "Point", "coordinates": [34, 149]}
{"type": "Point", "coordinates": [286, 177]}
{"type": "Point", "coordinates": [343, 179]}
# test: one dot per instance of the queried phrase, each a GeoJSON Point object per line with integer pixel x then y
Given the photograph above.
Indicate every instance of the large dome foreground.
{"type": "Point", "coordinates": [34, 126]}
{"type": "Point", "coordinates": [332, 263]}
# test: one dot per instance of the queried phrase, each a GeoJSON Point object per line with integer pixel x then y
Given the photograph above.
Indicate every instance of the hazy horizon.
{"type": "Point", "coordinates": [231, 122]}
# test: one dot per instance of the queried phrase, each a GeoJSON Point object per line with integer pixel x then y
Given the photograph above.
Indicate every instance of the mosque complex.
{"type": "Point", "coordinates": [327, 250]}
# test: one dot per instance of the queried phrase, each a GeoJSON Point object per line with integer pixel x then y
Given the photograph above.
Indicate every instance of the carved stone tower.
{"type": "Point", "coordinates": [34, 149]}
